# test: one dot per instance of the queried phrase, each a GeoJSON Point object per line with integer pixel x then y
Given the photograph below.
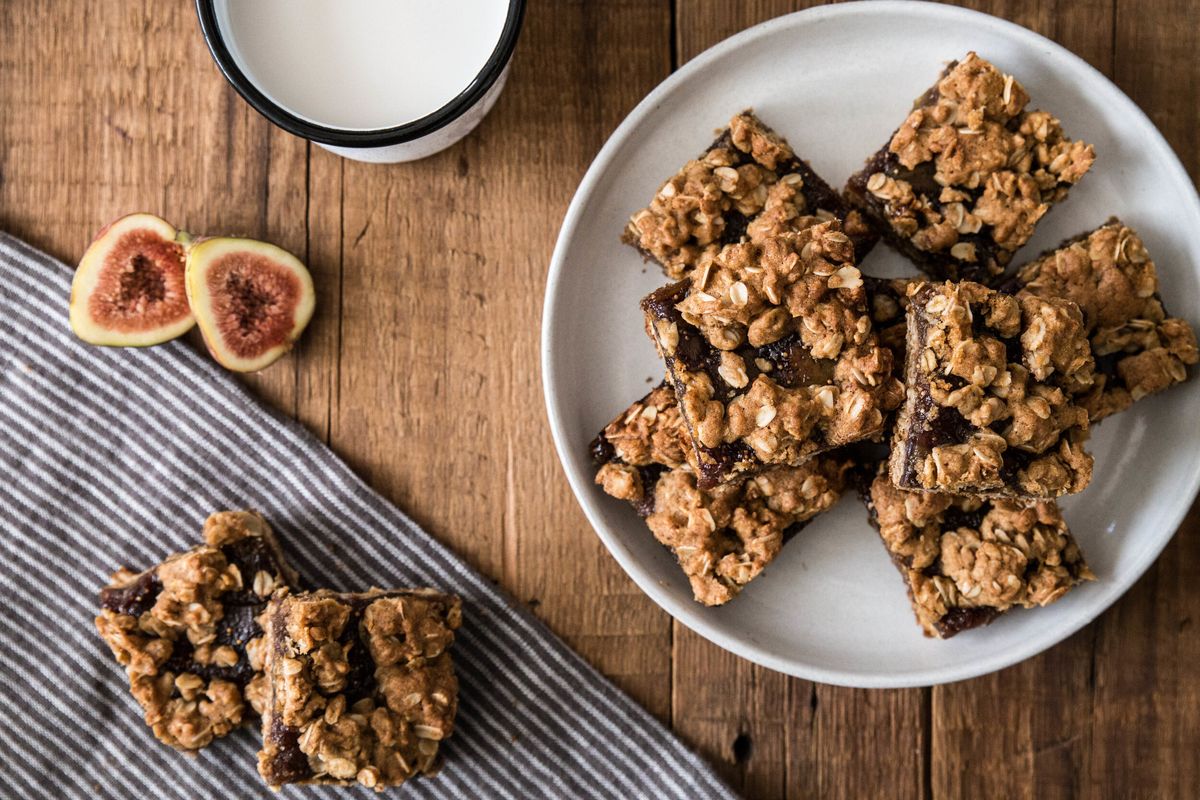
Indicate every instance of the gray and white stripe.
{"type": "Point", "coordinates": [115, 456]}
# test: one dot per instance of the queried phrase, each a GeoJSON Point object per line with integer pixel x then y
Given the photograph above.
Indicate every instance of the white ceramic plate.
{"type": "Point", "coordinates": [835, 81]}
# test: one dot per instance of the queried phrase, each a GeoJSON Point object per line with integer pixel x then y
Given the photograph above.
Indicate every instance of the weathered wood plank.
{"type": "Point", "coordinates": [436, 399]}
{"type": "Point", "coordinates": [1147, 660]}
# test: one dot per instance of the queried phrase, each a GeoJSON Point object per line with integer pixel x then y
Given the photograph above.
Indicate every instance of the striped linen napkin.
{"type": "Point", "coordinates": [111, 457]}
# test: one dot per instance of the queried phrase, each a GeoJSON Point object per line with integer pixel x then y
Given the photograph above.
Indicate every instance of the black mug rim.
{"type": "Point", "coordinates": [380, 137]}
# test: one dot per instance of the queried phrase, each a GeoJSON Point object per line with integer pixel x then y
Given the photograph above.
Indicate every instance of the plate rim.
{"type": "Point", "coordinates": [689, 613]}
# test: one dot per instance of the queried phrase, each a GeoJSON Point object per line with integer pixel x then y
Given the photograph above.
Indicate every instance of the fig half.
{"type": "Point", "coordinates": [129, 287]}
{"type": "Point", "coordinates": [251, 299]}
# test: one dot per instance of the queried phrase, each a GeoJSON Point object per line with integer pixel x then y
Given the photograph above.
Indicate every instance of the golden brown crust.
{"type": "Point", "coordinates": [967, 559]}
{"type": "Point", "coordinates": [1110, 275]}
{"type": "Point", "coordinates": [771, 352]}
{"type": "Point", "coordinates": [749, 183]}
{"type": "Point", "coordinates": [186, 631]}
{"type": "Point", "coordinates": [964, 181]}
{"type": "Point", "coordinates": [362, 687]}
{"type": "Point", "coordinates": [991, 384]}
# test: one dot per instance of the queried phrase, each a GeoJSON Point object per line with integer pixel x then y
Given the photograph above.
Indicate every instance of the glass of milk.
{"type": "Point", "coordinates": [372, 80]}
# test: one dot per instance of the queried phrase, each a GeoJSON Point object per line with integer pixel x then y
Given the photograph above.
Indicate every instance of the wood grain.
{"type": "Point", "coordinates": [435, 392]}
{"type": "Point", "coordinates": [1146, 701]}
{"type": "Point", "coordinates": [420, 369]}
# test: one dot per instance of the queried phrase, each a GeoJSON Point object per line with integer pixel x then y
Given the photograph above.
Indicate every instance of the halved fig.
{"type": "Point", "coordinates": [251, 299]}
{"type": "Point", "coordinates": [129, 288]}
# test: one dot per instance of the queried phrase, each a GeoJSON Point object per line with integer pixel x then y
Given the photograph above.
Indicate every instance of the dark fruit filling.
{"type": "Point", "coordinates": [239, 608]}
{"type": "Point", "coordinates": [942, 265]}
{"type": "Point", "coordinates": [792, 366]}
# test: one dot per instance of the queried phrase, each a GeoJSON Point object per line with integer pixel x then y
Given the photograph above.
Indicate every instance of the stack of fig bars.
{"type": "Point", "coordinates": [350, 688]}
{"type": "Point", "coordinates": [784, 363]}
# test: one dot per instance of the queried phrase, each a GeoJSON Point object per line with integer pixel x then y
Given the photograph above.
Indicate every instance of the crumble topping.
{"type": "Point", "coordinates": [749, 184]}
{"type": "Point", "coordinates": [723, 537]}
{"type": "Point", "coordinates": [991, 385]}
{"type": "Point", "coordinates": [965, 179]}
{"type": "Point", "coordinates": [771, 351]}
{"type": "Point", "coordinates": [1109, 274]}
{"type": "Point", "coordinates": [648, 432]}
{"type": "Point", "coordinates": [362, 686]}
{"type": "Point", "coordinates": [187, 632]}
{"type": "Point", "coordinates": [967, 559]}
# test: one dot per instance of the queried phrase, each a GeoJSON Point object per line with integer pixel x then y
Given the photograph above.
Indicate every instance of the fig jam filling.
{"type": "Point", "coordinates": [792, 366]}
{"type": "Point", "coordinates": [921, 178]}
{"type": "Point", "coordinates": [239, 608]}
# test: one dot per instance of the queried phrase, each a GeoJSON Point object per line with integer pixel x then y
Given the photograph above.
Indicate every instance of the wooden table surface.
{"type": "Point", "coordinates": [421, 368]}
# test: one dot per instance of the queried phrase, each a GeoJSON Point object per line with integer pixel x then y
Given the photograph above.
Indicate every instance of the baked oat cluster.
{"type": "Point", "coordinates": [350, 688]}
{"type": "Point", "coordinates": [771, 352]}
{"type": "Point", "coordinates": [722, 537]}
{"type": "Point", "coordinates": [786, 367]}
{"type": "Point", "coordinates": [967, 559]}
{"type": "Point", "coordinates": [187, 631]}
{"type": "Point", "coordinates": [1139, 350]}
{"type": "Point", "coordinates": [362, 687]}
{"type": "Point", "coordinates": [990, 406]}
{"type": "Point", "coordinates": [749, 185]}
{"type": "Point", "coordinates": [965, 179]}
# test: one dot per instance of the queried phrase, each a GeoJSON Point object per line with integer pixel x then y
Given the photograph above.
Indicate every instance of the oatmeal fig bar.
{"type": "Point", "coordinates": [1139, 350]}
{"type": "Point", "coordinates": [749, 184]}
{"type": "Point", "coordinates": [771, 353]}
{"type": "Point", "coordinates": [991, 381]}
{"type": "Point", "coordinates": [723, 537]}
{"type": "Point", "coordinates": [187, 630]}
{"type": "Point", "coordinates": [964, 180]}
{"type": "Point", "coordinates": [966, 560]}
{"type": "Point", "coordinates": [362, 687]}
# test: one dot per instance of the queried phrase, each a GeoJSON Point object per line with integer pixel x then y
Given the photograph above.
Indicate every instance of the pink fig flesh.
{"type": "Point", "coordinates": [252, 300]}
{"type": "Point", "coordinates": [129, 288]}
